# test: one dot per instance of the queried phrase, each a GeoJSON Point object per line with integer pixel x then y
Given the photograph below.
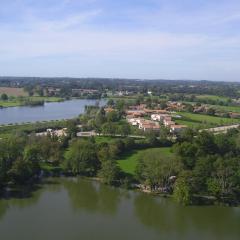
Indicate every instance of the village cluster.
{"type": "Point", "coordinates": [138, 116]}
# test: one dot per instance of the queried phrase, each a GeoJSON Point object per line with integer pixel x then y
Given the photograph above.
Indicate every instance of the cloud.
{"type": "Point", "coordinates": [120, 37]}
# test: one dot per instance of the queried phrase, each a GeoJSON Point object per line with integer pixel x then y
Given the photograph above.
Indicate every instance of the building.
{"type": "Point", "coordinates": [109, 109]}
{"type": "Point", "coordinates": [52, 132]}
{"type": "Point", "coordinates": [177, 128]}
{"type": "Point", "coordinates": [81, 91]}
{"type": "Point", "coordinates": [160, 117]}
{"type": "Point", "coordinates": [234, 115]}
{"type": "Point", "coordinates": [135, 113]}
{"type": "Point", "coordinates": [138, 107]}
{"type": "Point", "coordinates": [168, 123]}
{"type": "Point", "coordinates": [147, 125]}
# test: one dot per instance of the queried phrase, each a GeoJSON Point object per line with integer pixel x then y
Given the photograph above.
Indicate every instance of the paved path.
{"type": "Point", "coordinates": [222, 129]}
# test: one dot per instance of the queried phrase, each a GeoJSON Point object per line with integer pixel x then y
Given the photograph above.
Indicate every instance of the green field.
{"type": "Point", "coordinates": [204, 121]}
{"type": "Point", "coordinates": [128, 162]}
{"type": "Point", "coordinates": [226, 108]}
{"type": "Point", "coordinates": [101, 139]}
{"type": "Point", "coordinates": [15, 102]}
{"type": "Point", "coordinates": [213, 97]}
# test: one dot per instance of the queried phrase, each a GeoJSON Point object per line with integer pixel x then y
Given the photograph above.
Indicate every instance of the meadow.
{"type": "Point", "coordinates": [128, 161]}
{"type": "Point", "coordinates": [204, 121]}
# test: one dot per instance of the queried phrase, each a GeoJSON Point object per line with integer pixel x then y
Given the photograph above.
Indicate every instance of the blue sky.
{"type": "Point", "coordinates": [148, 39]}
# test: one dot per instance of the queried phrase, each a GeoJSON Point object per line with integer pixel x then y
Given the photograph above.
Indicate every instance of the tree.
{"type": "Point", "coordinates": [110, 172]}
{"type": "Point", "coordinates": [110, 102]}
{"type": "Point", "coordinates": [21, 171]}
{"type": "Point", "coordinates": [32, 154]}
{"type": "Point", "coordinates": [155, 170]}
{"type": "Point", "coordinates": [100, 118]}
{"type": "Point", "coordinates": [72, 128]}
{"type": "Point", "coordinates": [205, 143]}
{"type": "Point", "coordinates": [152, 138]}
{"type": "Point", "coordinates": [201, 173]}
{"type": "Point", "coordinates": [182, 191]}
{"type": "Point", "coordinates": [187, 135]}
{"type": "Point", "coordinates": [4, 97]}
{"type": "Point", "coordinates": [124, 129]}
{"type": "Point", "coordinates": [109, 128]}
{"type": "Point", "coordinates": [112, 116]}
{"type": "Point", "coordinates": [225, 178]}
{"type": "Point", "coordinates": [81, 158]}
{"type": "Point", "coordinates": [211, 111]}
{"type": "Point", "coordinates": [187, 153]}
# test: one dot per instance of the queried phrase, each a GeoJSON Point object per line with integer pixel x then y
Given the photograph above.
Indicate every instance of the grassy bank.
{"type": "Point", "coordinates": [7, 130]}
{"type": "Point", "coordinates": [21, 101]}
{"type": "Point", "coordinates": [128, 162]}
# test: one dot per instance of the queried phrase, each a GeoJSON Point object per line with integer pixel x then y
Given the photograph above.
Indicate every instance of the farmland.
{"type": "Point", "coordinates": [15, 92]}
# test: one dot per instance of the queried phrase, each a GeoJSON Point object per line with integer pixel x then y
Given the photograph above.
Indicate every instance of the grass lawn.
{"type": "Point", "coordinates": [100, 139]}
{"type": "Point", "coordinates": [50, 168]}
{"type": "Point", "coordinates": [203, 121]}
{"type": "Point", "coordinates": [47, 99]}
{"type": "Point", "coordinates": [128, 162]}
{"type": "Point", "coordinates": [10, 103]}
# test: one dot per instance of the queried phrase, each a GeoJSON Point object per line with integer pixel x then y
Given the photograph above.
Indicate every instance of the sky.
{"type": "Point", "coordinates": [145, 39]}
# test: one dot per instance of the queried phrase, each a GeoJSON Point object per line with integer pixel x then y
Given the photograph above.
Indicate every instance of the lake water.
{"type": "Point", "coordinates": [74, 209]}
{"type": "Point", "coordinates": [50, 111]}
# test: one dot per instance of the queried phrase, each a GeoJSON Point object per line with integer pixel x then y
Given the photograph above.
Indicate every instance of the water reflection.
{"type": "Point", "coordinates": [3, 208]}
{"type": "Point", "coordinates": [174, 221]}
{"type": "Point", "coordinates": [71, 208]}
{"type": "Point", "coordinates": [92, 196]}
{"type": "Point", "coordinates": [50, 111]}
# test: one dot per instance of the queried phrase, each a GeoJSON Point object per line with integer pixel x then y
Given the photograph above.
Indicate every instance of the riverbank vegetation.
{"type": "Point", "coordinates": [11, 101]}
{"type": "Point", "coordinates": [203, 166]}
{"type": "Point", "coordinates": [192, 166]}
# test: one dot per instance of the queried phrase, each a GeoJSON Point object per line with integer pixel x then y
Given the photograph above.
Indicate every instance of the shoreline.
{"type": "Point", "coordinates": [35, 184]}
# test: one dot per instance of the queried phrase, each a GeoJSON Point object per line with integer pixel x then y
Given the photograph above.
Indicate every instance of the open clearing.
{"type": "Point", "coordinates": [128, 162]}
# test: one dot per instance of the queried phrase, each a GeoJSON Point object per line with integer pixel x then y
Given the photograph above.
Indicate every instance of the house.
{"type": "Point", "coordinates": [138, 107]}
{"type": "Point", "coordinates": [132, 121]}
{"type": "Point", "coordinates": [155, 117]}
{"type": "Point", "coordinates": [51, 91]}
{"type": "Point", "coordinates": [168, 123]}
{"type": "Point", "coordinates": [160, 117]}
{"type": "Point", "coordinates": [177, 128]}
{"type": "Point", "coordinates": [234, 115]}
{"type": "Point", "coordinates": [148, 125]}
{"type": "Point", "coordinates": [81, 91]}
{"type": "Point", "coordinates": [109, 109]}
{"type": "Point", "coordinates": [135, 113]}
{"type": "Point", "coordinates": [52, 132]}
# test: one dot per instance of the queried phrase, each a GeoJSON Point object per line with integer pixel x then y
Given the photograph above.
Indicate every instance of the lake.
{"type": "Point", "coordinates": [50, 111]}
{"type": "Point", "coordinates": [73, 209]}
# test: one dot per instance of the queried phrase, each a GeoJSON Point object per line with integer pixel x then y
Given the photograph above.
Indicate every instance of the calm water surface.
{"type": "Point", "coordinates": [50, 111]}
{"type": "Point", "coordinates": [74, 209]}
